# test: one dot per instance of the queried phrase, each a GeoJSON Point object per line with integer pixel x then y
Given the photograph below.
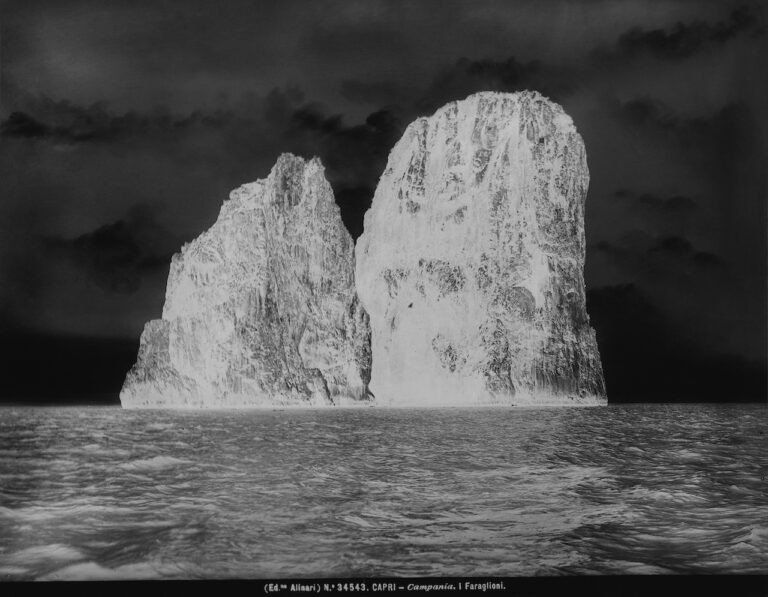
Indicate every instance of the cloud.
{"type": "Point", "coordinates": [682, 248]}
{"type": "Point", "coordinates": [282, 120]}
{"type": "Point", "coordinates": [19, 124]}
{"type": "Point", "coordinates": [663, 205]}
{"type": "Point", "coordinates": [647, 111]}
{"type": "Point", "coordinates": [117, 256]}
{"type": "Point", "coordinates": [82, 128]}
{"type": "Point", "coordinates": [640, 252]}
{"type": "Point", "coordinates": [724, 146]}
{"type": "Point", "coordinates": [682, 40]}
{"type": "Point", "coordinates": [252, 130]}
{"type": "Point", "coordinates": [371, 92]}
{"type": "Point", "coordinates": [673, 245]}
{"type": "Point", "coordinates": [65, 122]}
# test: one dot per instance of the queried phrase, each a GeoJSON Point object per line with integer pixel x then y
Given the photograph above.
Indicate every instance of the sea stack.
{"type": "Point", "coordinates": [471, 261]}
{"type": "Point", "coordinates": [261, 309]}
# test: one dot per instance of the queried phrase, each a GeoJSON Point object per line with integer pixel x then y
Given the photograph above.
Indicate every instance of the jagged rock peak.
{"type": "Point", "coordinates": [286, 181]}
{"type": "Point", "coordinates": [260, 309]}
{"type": "Point", "coordinates": [471, 261]}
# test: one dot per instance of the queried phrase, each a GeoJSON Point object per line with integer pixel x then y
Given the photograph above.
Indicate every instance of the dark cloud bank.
{"type": "Point", "coordinates": [675, 216]}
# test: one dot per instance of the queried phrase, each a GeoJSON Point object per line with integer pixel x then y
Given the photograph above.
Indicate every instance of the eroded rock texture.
{"type": "Point", "coordinates": [261, 309]}
{"type": "Point", "coordinates": [471, 263]}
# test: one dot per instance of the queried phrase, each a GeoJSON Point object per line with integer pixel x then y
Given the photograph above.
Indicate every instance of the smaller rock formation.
{"type": "Point", "coordinates": [260, 309]}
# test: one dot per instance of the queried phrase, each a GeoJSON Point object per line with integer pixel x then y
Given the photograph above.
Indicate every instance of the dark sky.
{"type": "Point", "coordinates": [124, 124]}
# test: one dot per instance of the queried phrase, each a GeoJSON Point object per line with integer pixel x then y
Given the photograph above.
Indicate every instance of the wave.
{"type": "Point", "coordinates": [43, 553]}
{"type": "Point", "coordinates": [154, 463]}
{"type": "Point", "coordinates": [94, 571]}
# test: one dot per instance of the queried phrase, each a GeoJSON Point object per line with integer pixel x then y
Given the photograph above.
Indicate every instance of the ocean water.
{"type": "Point", "coordinates": [102, 493]}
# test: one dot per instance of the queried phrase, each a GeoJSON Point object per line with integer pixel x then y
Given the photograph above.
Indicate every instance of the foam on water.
{"type": "Point", "coordinates": [95, 493]}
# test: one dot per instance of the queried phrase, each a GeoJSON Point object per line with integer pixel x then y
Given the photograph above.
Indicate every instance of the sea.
{"type": "Point", "coordinates": [100, 493]}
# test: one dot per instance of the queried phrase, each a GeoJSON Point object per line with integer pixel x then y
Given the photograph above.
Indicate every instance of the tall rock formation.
{"type": "Point", "coordinates": [471, 263]}
{"type": "Point", "coordinates": [260, 309]}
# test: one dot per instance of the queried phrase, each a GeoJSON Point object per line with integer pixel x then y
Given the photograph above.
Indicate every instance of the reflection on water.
{"type": "Point", "coordinates": [104, 493]}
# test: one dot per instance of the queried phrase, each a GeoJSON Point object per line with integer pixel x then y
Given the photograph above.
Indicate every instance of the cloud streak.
{"type": "Point", "coordinates": [663, 205]}
{"type": "Point", "coordinates": [637, 251]}
{"type": "Point", "coordinates": [682, 40]}
{"type": "Point", "coordinates": [117, 256]}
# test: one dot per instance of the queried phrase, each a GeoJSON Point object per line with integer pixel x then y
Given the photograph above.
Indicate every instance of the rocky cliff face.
{"type": "Point", "coordinates": [261, 309]}
{"type": "Point", "coordinates": [471, 263]}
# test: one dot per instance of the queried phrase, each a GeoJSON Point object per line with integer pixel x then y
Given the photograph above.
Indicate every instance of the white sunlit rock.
{"type": "Point", "coordinates": [471, 262]}
{"type": "Point", "coordinates": [260, 309]}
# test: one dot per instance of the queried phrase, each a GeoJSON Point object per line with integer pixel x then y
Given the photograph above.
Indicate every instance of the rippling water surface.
{"type": "Point", "coordinates": [92, 493]}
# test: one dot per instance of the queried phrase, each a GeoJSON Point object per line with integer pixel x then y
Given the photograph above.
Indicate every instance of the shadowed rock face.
{"type": "Point", "coordinates": [260, 309]}
{"type": "Point", "coordinates": [471, 262]}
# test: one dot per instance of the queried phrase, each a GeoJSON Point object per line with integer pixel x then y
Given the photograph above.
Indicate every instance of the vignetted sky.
{"type": "Point", "coordinates": [125, 123]}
